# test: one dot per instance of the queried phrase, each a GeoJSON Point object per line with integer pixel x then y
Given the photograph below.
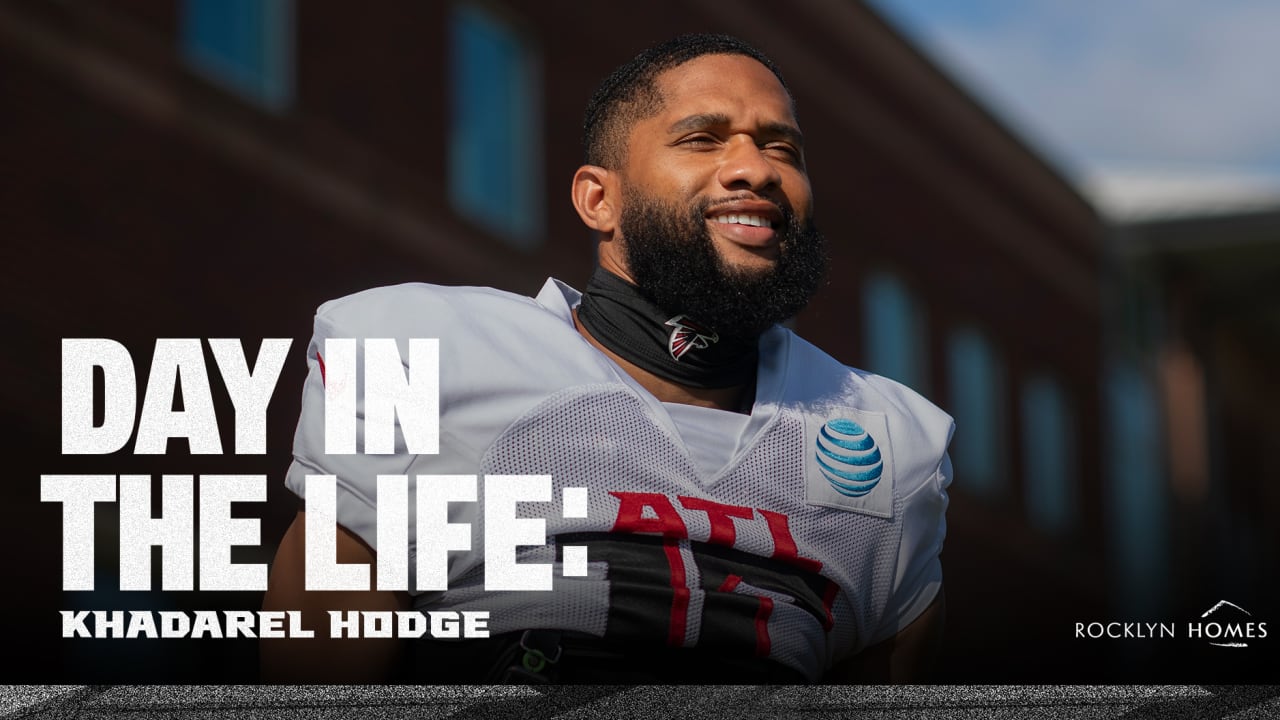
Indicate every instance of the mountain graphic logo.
{"type": "Point", "coordinates": [1227, 625]}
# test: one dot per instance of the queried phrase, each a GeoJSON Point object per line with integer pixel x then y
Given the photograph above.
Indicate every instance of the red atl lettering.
{"type": "Point", "coordinates": [666, 522]}
{"type": "Point", "coordinates": [721, 517]}
{"type": "Point", "coordinates": [784, 546]}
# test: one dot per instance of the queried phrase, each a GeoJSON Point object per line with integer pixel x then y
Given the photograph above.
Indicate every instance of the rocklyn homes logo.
{"type": "Point", "coordinates": [1223, 625]}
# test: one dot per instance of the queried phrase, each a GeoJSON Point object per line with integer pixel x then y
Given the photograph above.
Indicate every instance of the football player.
{"type": "Point", "coordinates": [755, 510]}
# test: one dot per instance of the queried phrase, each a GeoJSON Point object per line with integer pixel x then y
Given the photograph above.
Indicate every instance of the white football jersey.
{"type": "Point", "coordinates": [810, 531]}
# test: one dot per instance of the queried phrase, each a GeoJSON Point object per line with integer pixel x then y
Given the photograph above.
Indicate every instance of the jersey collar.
{"type": "Point", "coordinates": [771, 374]}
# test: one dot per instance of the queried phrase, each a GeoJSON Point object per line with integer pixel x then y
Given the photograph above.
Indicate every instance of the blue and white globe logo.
{"type": "Point", "coordinates": [849, 458]}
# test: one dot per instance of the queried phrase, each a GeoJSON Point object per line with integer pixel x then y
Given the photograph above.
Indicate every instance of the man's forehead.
{"type": "Point", "coordinates": [699, 86]}
{"type": "Point", "coordinates": [721, 72]}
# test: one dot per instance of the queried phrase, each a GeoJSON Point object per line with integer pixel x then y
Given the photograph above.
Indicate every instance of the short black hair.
{"type": "Point", "coordinates": [630, 93]}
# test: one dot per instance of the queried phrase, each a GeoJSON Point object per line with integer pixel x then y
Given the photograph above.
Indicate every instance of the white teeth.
{"type": "Point", "coordinates": [753, 220]}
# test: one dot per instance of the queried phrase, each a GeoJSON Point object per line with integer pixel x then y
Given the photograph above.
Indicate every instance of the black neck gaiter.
{"type": "Point", "coordinates": [668, 345]}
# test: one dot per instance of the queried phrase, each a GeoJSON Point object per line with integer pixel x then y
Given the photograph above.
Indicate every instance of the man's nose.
{"type": "Point", "coordinates": [746, 167]}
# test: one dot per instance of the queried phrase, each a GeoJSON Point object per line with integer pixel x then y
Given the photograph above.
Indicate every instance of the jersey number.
{"type": "Point", "coordinates": [652, 584]}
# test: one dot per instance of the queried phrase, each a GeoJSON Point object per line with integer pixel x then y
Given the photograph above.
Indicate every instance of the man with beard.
{"type": "Point", "coordinates": [744, 508]}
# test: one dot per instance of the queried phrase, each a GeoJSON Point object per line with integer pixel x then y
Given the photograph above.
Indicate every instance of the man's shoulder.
{"type": "Point", "coordinates": [485, 334]}
{"type": "Point", "coordinates": [408, 308]}
{"type": "Point", "coordinates": [822, 383]}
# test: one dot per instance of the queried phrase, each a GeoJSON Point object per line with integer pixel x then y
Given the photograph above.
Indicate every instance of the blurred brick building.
{"type": "Point", "coordinates": [205, 168]}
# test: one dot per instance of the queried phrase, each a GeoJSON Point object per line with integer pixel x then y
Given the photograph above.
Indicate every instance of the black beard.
{"type": "Point", "coordinates": [673, 261]}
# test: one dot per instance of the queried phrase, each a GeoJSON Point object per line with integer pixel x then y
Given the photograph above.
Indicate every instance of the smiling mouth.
{"type": "Point", "coordinates": [743, 219]}
{"type": "Point", "coordinates": [752, 231]}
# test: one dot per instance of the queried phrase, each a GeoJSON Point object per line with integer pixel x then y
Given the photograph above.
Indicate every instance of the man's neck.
{"type": "Point", "coordinates": [734, 398]}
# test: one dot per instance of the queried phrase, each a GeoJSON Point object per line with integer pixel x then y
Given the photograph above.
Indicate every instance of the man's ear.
{"type": "Point", "coordinates": [595, 195]}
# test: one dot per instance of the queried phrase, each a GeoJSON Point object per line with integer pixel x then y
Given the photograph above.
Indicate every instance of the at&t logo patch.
{"type": "Point", "coordinates": [849, 458]}
{"type": "Point", "coordinates": [850, 466]}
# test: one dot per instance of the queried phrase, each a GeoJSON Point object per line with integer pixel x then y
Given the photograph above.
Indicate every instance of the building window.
{"type": "Point", "coordinates": [1049, 452]}
{"type": "Point", "coordinates": [894, 331]}
{"type": "Point", "coordinates": [495, 131]}
{"type": "Point", "coordinates": [243, 45]}
{"type": "Point", "coordinates": [974, 375]}
{"type": "Point", "coordinates": [1136, 502]}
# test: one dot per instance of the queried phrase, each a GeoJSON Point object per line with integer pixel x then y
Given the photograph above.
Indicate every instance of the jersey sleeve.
{"type": "Point", "coordinates": [923, 435]}
{"type": "Point", "coordinates": [919, 568]}
{"type": "Point", "coordinates": [357, 474]}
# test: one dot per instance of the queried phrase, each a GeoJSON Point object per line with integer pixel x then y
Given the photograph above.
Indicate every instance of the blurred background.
{"type": "Point", "coordinates": [1059, 221]}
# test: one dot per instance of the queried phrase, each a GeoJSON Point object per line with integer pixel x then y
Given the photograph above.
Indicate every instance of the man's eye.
{"type": "Point", "coordinates": [698, 141]}
{"type": "Point", "coordinates": [784, 151]}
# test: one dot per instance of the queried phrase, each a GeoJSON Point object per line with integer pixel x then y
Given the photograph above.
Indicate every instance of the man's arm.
{"type": "Point", "coordinates": [904, 658]}
{"type": "Point", "coordinates": [322, 658]}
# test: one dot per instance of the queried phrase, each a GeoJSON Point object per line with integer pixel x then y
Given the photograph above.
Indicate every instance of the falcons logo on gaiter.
{"type": "Point", "coordinates": [687, 336]}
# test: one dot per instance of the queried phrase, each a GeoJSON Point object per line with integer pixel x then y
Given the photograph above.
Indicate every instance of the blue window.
{"type": "Point", "coordinates": [1136, 497]}
{"type": "Point", "coordinates": [975, 379]}
{"type": "Point", "coordinates": [495, 131]}
{"type": "Point", "coordinates": [243, 45]}
{"type": "Point", "coordinates": [1049, 455]}
{"type": "Point", "coordinates": [894, 331]}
